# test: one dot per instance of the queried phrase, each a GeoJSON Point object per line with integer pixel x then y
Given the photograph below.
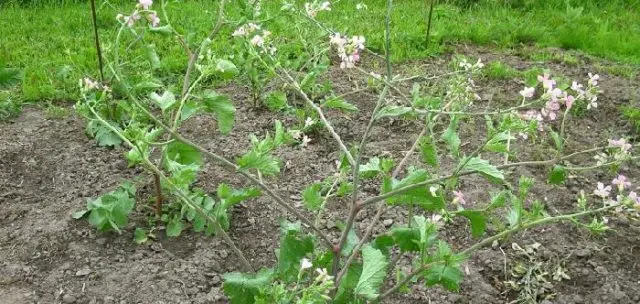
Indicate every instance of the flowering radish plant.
{"type": "Point", "coordinates": [145, 115]}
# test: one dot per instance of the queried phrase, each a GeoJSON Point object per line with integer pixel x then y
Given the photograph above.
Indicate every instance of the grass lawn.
{"type": "Point", "coordinates": [53, 43]}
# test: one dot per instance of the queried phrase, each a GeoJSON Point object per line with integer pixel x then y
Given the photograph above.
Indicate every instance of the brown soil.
{"type": "Point", "coordinates": [48, 168]}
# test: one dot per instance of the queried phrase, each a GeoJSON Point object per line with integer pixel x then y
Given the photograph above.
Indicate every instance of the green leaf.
{"type": "Point", "coordinates": [80, 214]}
{"type": "Point", "coordinates": [267, 164]}
{"type": "Point", "coordinates": [371, 169]}
{"type": "Point", "coordinates": [448, 276]}
{"type": "Point", "coordinates": [408, 239]}
{"type": "Point", "coordinates": [293, 247]}
{"type": "Point", "coordinates": [429, 151]}
{"type": "Point", "coordinates": [163, 30]}
{"type": "Point", "coordinates": [152, 56]}
{"type": "Point", "coordinates": [183, 153]}
{"type": "Point", "coordinates": [232, 197]}
{"type": "Point", "coordinates": [345, 294]}
{"type": "Point", "coordinates": [383, 243]}
{"type": "Point", "coordinates": [312, 197]}
{"type": "Point", "coordinates": [140, 236]}
{"type": "Point", "coordinates": [558, 175]}
{"type": "Point", "coordinates": [557, 140]}
{"type": "Point", "coordinates": [164, 101]}
{"type": "Point", "coordinates": [340, 104]}
{"type": "Point", "coordinates": [242, 288]}
{"type": "Point", "coordinates": [420, 196]}
{"type": "Point", "coordinates": [226, 69]}
{"type": "Point", "coordinates": [222, 107]}
{"type": "Point", "coordinates": [497, 143]}
{"type": "Point", "coordinates": [103, 135]}
{"type": "Point", "coordinates": [483, 167]}
{"type": "Point", "coordinates": [392, 111]}
{"type": "Point", "coordinates": [174, 227]}
{"type": "Point", "coordinates": [373, 273]}
{"type": "Point", "coordinates": [450, 137]}
{"type": "Point", "coordinates": [352, 242]}
{"type": "Point", "coordinates": [188, 109]}
{"type": "Point", "coordinates": [478, 221]}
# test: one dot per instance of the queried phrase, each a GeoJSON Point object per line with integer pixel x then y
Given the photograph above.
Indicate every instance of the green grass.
{"type": "Point", "coordinates": [499, 71]}
{"type": "Point", "coordinates": [53, 43]}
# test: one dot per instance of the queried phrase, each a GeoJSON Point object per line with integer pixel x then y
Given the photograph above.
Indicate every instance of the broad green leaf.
{"type": "Point", "coordinates": [392, 111]}
{"type": "Point", "coordinates": [152, 56]}
{"type": "Point", "coordinates": [174, 227]}
{"type": "Point", "coordinates": [121, 206]}
{"type": "Point", "coordinates": [183, 153]}
{"type": "Point", "coordinates": [312, 197]}
{"type": "Point", "coordinates": [188, 109]}
{"type": "Point", "coordinates": [345, 294]}
{"type": "Point", "coordinates": [371, 168]}
{"type": "Point", "coordinates": [340, 104]}
{"type": "Point", "coordinates": [352, 242]}
{"type": "Point", "coordinates": [383, 243]}
{"type": "Point", "coordinates": [182, 175]}
{"type": "Point", "coordinates": [408, 239]}
{"type": "Point", "coordinates": [478, 221]}
{"type": "Point", "coordinates": [429, 151]}
{"type": "Point", "coordinates": [147, 86]}
{"type": "Point", "coordinates": [226, 69]}
{"type": "Point", "coordinates": [106, 138]}
{"type": "Point", "coordinates": [498, 200]}
{"type": "Point", "coordinates": [235, 196]}
{"type": "Point", "coordinates": [267, 164]}
{"type": "Point", "coordinates": [450, 137]}
{"type": "Point", "coordinates": [497, 143]}
{"type": "Point", "coordinates": [80, 214]}
{"type": "Point", "coordinates": [374, 267]}
{"type": "Point", "coordinates": [448, 276]}
{"type": "Point", "coordinates": [222, 108]}
{"type": "Point", "coordinates": [293, 247]}
{"type": "Point", "coordinates": [419, 196]}
{"type": "Point", "coordinates": [140, 236]}
{"type": "Point", "coordinates": [483, 167]}
{"type": "Point", "coordinates": [558, 175]}
{"type": "Point", "coordinates": [164, 101]}
{"type": "Point", "coordinates": [242, 288]}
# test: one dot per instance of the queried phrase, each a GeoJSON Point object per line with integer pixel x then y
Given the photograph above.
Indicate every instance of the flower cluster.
{"type": "Point", "coordinates": [143, 7]}
{"type": "Point", "coordinates": [461, 90]}
{"type": "Point", "coordinates": [258, 36]}
{"type": "Point", "coordinates": [631, 200]}
{"type": "Point", "coordinates": [348, 49]}
{"type": "Point", "coordinates": [87, 84]}
{"type": "Point", "coordinates": [556, 98]}
{"type": "Point", "coordinates": [312, 9]}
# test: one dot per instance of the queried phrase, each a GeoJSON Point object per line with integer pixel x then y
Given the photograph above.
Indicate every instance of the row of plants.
{"type": "Point", "coordinates": [138, 109]}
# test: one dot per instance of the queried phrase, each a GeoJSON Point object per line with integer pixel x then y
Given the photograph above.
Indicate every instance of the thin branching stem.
{"type": "Point", "coordinates": [488, 241]}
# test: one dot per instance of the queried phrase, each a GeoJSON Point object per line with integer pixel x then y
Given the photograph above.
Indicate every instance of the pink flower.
{"type": "Point", "coordinates": [576, 86]}
{"type": "Point", "coordinates": [602, 191]}
{"type": "Point", "coordinates": [458, 197]}
{"type": "Point", "coordinates": [621, 182]}
{"type": "Point", "coordinates": [568, 101]}
{"type": "Point", "coordinates": [634, 197]}
{"type": "Point", "coordinates": [620, 143]}
{"type": "Point", "coordinates": [154, 19]}
{"type": "Point", "coordinates": [145, 4]}
{"type": "Point", "coordinates": [257, 40]}
{"type": "Point", "coordinates": [131, 20]}
{"type": "Point", "coordinates": [527, 92]}
{"type": "Point", "coordinates": [547, 83]}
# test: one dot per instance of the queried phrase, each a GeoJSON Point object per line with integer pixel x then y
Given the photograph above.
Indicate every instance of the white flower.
{"type": "Point", "coordinates": [602, 191]}
{"type": "Point", "coordinates": [323, 275]}
{"type": "Point", "coordinates": [305, 141]}
{"type": "Point", "coordinates": [308, 122]}
{"type": "Point", "coordinates": [527, 92]}
{"type": "Point", "coordinates": [433, 190]}
{"type": "Point", "coordinates": [305, 264]}
{"type": "Point", "coordinates": [257, 40]}
{"type": "Point", "coordinates": [593, 79]}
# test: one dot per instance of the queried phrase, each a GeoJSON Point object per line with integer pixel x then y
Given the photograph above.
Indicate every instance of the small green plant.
{"type": "Point", "coordinates": [110, 212]}
{"type": "Point", "coordinates": [632, 114]}
{"type": "Point", "coordinates": [53, 111]}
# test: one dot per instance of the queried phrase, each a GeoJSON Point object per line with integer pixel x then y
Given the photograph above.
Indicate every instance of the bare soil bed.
{"type": "Point", "coordinates": [49, 168]}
